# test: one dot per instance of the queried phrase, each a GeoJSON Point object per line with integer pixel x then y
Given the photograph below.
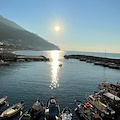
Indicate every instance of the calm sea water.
{"type": "Point", "coordinates": [29, 81]}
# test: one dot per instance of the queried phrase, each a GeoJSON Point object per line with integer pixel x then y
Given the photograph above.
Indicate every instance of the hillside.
{"type": "Point", "coordinates": [18, 36]}
{"type": "Point", "coordinates": [10, 23]}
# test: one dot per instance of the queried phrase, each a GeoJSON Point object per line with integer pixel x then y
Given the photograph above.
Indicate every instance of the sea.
{"type": "Point", "coordinates": [72, 81]}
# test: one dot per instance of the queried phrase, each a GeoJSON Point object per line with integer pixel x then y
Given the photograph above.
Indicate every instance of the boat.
{"type": "Point", "coordinates": [34, 112]}
{"type": "Point", "coordinates": [111, 100]}
{"type": "Point", "coordinates": [12, 110]}
{"type": "Point", "coordinates": [60, 65]}
{"type": "Point", "coordinates": [109, 87]}
{"type": "Point", "coordinates": [114, 66]}
{"type": "Point", "coordinates": [66, 114]}
{"type": "Point", "coordinates": [3, 100]}
{"type": "Point", "coordinates": [2, 62]}
{"type": "Point", "coordinates": [52, 111]}
{"type": "Point", "coordinates": [86, 111]}
{"type": "Point", "coordinates": [103, 110]}
{"type": "Point", "coordinates": [99, 63]}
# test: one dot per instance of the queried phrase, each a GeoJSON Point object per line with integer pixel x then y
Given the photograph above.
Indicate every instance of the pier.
{"type": "Point", "coordinates": [31, 58]}
{"type": "Point", "coordinates": [103, 61]}
{"type": "Point", "coordinates": [10, 57]}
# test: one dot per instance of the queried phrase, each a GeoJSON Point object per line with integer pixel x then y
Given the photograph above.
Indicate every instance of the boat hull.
{"type": "Point", "coordinates": [12, 111]}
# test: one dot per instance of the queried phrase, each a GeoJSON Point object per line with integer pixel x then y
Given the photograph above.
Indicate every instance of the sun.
{"type": "Point", "coordinates": [57, 28]}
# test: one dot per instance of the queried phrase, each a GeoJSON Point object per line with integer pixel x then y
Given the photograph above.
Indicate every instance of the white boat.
{"type": "Point", "coordinates": [66, 114]}
{"type": "Point", "coordinates": [12, 110]}
{"type": "Point", "coordinates": [112, 100]}
{"type": "Point", "coordinates": [3, 100]}
{"type": "Point", "coordinates": [103, 110]}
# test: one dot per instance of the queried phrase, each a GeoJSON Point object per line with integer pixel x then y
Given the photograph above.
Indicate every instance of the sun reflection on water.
{"type": "Point", "coordinates": [55, 69]}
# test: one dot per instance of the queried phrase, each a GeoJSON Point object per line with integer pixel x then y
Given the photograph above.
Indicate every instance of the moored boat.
{"type": "Point", "coordinates": [103, 110]}
{"type": "Point", "coordinates": [12, 110]}
{"type": "Point", "coordinates": [3, 100]}
{"type": "Point", "coordinates": [109, 87]}
{"type": "Point", "coordinates": [111, 100]}
{"type": "Point", "coordinates": [52, 111]}
{"type": "Point", "coordinates": [66, 114]}
{"type": "Point", "coordinates": [2, 62]}
{"type": "Point", "coordinates": [86, 111]}
{"type": "Point", "coordinates": [34, 112]}
{"type": "Point", "coordinates": [60, 65]}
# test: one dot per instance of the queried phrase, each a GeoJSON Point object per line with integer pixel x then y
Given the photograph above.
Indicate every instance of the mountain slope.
{"type": "Point", "coordinates": [24, 38]}
{"type": "Point", "coordinates": [10, 23]}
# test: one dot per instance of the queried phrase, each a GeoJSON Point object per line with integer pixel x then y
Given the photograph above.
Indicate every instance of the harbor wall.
{"type": "Point", "coordinates": [103, 61]}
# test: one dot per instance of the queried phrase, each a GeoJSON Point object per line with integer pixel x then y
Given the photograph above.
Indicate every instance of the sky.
{"type": "Point", "coordinates": [85, 25]}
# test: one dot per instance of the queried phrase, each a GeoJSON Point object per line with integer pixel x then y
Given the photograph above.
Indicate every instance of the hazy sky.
{"type": "Point", "coordinates": [86, 25]}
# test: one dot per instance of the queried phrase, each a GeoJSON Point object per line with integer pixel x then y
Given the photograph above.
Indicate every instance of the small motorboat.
{"type": "Point", "coordinates": [2, 62]}
{"type": "Point", "coordinates": [34, 112]}
{"type": "Point", "coordinates": [12, 110]}
{"type": "Point", "coordinates": [52, 111]}
{"type": "Point", "coordinates": [3, 100]}
{"type": "Point", "coordinates": [60, 65]}
{"type": "Point", "coordinates": [66, 114]}
{"type": "Point", "coordinates": [86, 111]}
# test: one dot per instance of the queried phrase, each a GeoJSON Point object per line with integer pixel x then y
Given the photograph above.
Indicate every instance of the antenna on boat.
{"type": "Point", "coordinates": [104, 77]}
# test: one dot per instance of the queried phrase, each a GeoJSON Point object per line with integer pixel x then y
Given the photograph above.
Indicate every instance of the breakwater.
{"type": "Point", "coordinates": [103, 61]}
{"type": "Point", "coordinates": [31, 58]}
{"type": "Point", "coordinates": [10, 57]}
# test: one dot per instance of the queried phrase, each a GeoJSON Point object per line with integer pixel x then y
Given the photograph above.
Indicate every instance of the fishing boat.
{"type": "Point", "coordinates": [12, 110]}
{"type": "Point", "coordinates": [52, 111]}
{"type": "Point", "coordinates": [3, 100]}
{"type": "Point", "coordinates": [109, 87]}
{"type": "Point", "coordinates": [111, 100]}
{"type": "Point", "coordinates": [66, 114]}
{"type": "Point", "coordinates": [103, 110]}
{"type": "Point", "coordinates": [86, 111]}
{"type": "Point", "coordinates": [34, 112]}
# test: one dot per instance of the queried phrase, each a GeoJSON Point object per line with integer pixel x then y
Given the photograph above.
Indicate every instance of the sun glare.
{"type": "Point", "coordinates": [55, 69]}
{"type": "Point", "coordinates": [57, 28]}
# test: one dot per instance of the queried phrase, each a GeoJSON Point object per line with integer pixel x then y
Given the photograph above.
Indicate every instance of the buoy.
{"type": "Point", "coordinates": [88, 105]}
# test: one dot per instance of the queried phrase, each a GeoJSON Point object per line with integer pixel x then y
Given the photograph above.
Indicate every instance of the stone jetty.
{"type": "Point", "coordinates": [31, 58]}
{"type": "Point", "coordinates": [11, 57]}
{"type": "Point", "coordinates": [103, 61]}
